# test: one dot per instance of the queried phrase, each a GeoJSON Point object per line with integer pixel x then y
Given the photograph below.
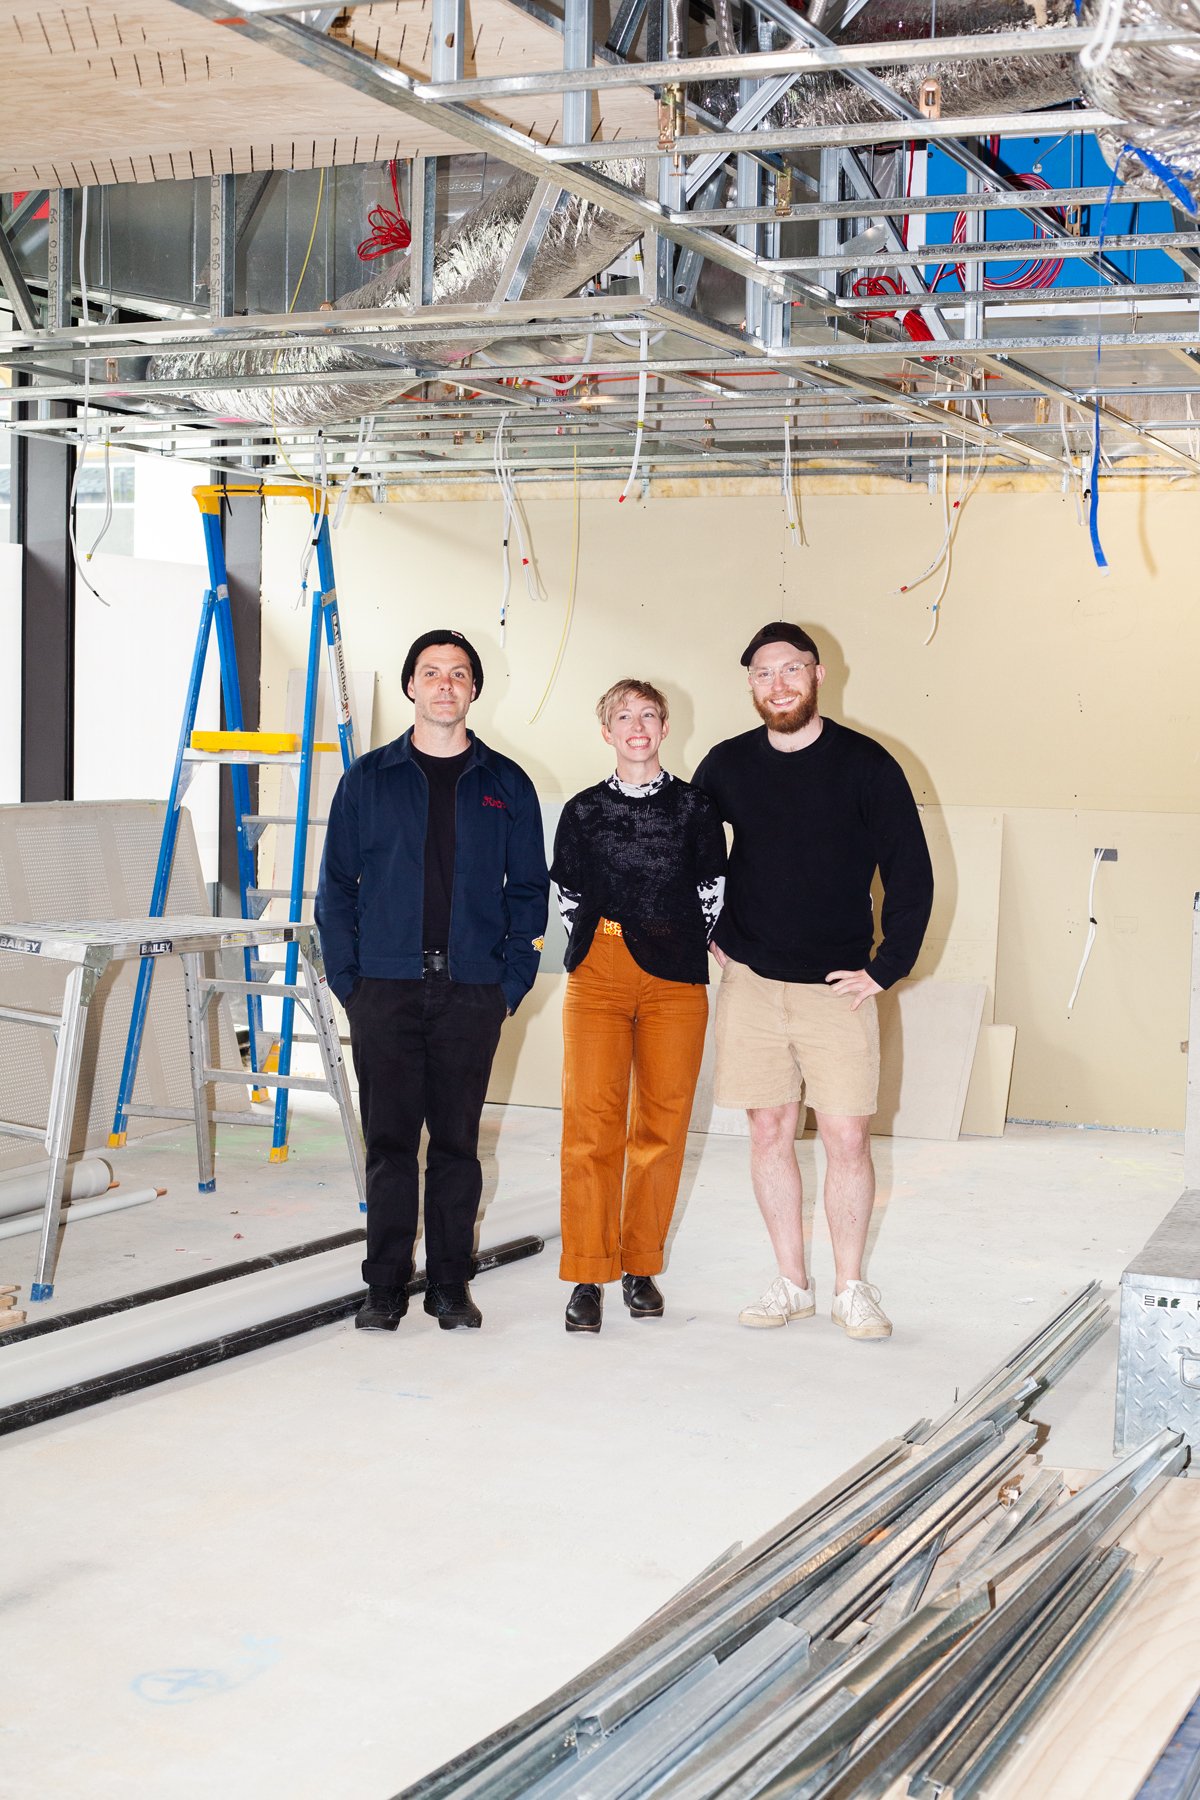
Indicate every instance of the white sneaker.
{"type": "Point", "coordinates": [859, 1313]}
{"type": "Point", "coordinates": [782, 1301]}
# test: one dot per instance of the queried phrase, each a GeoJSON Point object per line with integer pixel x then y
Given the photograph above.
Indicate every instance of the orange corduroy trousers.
{"type": "Point", "coordinates": [622, 1150]}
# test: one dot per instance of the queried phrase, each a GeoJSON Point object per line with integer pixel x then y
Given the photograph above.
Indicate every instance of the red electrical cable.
{"type": "Point", "coordinates": [873, 285]}
{"type": "Point", "coordinates": [1032, 274]}
{"type": "Point", "coordinates": [388, 229]}
{"type": "Point", "coordinates": [916, 328]}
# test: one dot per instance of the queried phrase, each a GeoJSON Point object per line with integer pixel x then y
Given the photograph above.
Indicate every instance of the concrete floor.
{"type": "Point", "coordinates": [321, 1569]}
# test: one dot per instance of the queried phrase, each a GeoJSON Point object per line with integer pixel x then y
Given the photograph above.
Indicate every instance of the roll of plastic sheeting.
{"type": "Point", "coordinates": [23, 1191]}
{"type": "Point", "coordinates": [80, 1209]}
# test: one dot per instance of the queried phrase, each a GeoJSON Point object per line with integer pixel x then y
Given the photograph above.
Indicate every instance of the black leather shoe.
{"type": "Point", "coordinates": [383, 1309]}
{"type": "Point", "coordinates": [585, 1308]}
{"type": "Point", "coordinates": [641, 1297]}
{"type": "Point", "coordinates": [451, 1305]}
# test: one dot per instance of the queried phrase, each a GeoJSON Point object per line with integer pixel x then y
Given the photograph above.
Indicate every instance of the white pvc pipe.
{"type": "Point", "coordinates": [25, 1188]}
{"type": "Point", "coordinates": [80, 1209]}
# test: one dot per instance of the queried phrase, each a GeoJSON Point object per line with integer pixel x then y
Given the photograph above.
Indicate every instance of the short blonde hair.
{"type": "Point", "coordinates": [619, 691]}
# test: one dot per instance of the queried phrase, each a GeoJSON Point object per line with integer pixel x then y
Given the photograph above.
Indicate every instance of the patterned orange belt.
{"type": "Point", "coordinates": [610, 928]}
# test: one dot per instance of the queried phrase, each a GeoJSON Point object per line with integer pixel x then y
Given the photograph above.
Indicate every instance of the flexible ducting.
{"type": "Point", "coordinates": [580, 241]}
{"type": "Point", "coordinates": [1008, 84]}
{"type": "Point", "coordinates": [1155, 88]}
{"type": "Point", "coordinates": [583, 238]}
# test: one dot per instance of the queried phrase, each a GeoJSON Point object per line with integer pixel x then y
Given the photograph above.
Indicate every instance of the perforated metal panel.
{"type": "Point", "coordinates": [1158, 1365]}
{"type": "Point", "coordinates": [96, 859]}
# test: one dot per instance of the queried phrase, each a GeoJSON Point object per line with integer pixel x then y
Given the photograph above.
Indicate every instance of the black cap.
{"type": "Point", "coordinates": [781, 632]}
{"type": "Point", "coordinates": [426, 641]}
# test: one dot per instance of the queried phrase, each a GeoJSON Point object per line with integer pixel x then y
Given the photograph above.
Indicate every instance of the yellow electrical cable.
{"type": "Point", "coordinates": [562, 642]}
{"type": "Point", "coordinates": [312, 240]}
{"type": "Point", "coordinates": [274, 366]}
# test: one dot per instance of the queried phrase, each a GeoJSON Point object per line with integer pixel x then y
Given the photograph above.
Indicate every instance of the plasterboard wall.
{"type": "Point", "coordinates": [1047, 694]}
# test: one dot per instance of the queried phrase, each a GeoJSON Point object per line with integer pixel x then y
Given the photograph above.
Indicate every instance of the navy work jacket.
{"type": "Point", "coordinates": [371, 894]}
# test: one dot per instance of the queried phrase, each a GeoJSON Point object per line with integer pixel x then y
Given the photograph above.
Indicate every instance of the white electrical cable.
{"type": "Point", "coordinates": [108, 495]}
{"type": "Point", "coordinates": [367, 427]}
{"type": "Point", "coordinates": [319, 462]}
{"type": "Point", "coordinates": [1091, 936]}
{"type": "Point", "coordinates": [1099, 46]}
{"type": "Point", "coordinates": [641, 418]}
{"type": "Point", "coordinates": [535, 381]}
{"type": "Point", "coordinates": [789, 496]}
{"type": "Point", "coordinates": [1075, 484]}
{"type": "Point", "coordinates": [945, 543]}
{"type": "Point", "coordinates": [81, 454]}
{"type": "Point", "coordinates": [511, 517]}
{"type": "Point", "coordinates": [623, 339]}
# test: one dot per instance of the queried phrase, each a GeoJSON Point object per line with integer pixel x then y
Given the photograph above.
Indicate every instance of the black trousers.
{"type": "Point", "coordinates": [423, 1053]}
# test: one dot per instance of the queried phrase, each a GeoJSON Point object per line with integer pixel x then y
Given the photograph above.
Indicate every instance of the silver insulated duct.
{"type": "Point", "coordinates": [1154, 87]}
{"type": "Point", "coordinates": [1011, 84]}
{"type": "Point", "coordinates": [581, 239]}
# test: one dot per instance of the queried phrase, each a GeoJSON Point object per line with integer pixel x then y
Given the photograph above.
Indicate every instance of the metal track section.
{"type": "Point", "coordinates": [853, 1647]}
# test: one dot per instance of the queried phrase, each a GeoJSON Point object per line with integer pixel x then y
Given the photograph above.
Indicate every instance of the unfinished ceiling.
{"type": "Point", "coordinates": [155, 93]}
{"type": "Point", "coordinates": [742, 280]}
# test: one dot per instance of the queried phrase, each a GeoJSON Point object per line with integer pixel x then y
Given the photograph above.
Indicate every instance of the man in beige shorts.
{"type": "Point", "coordinates": [815, 810]}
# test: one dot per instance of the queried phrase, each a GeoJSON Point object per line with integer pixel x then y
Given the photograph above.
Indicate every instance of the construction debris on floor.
{"type": "Point", "coordinates": [908, 1625]}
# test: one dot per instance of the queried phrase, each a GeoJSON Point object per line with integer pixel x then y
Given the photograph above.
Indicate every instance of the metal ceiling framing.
{"type": "Point", "coordinates": [856, 394]}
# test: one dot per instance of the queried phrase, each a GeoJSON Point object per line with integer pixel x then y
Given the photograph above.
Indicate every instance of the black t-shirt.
{"type": "Point", "coordinates": [442, 773]}
{"type": "Point", "coordinates": [809, 829]}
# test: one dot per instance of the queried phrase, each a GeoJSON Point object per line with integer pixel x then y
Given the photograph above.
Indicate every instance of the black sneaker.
{"type": "Point", "coordinates": [451, 1305]}
{"type": "Point", "coordinates": [585, 1308]}
{"type": "Point", "coordinates": [641, 1296]}
{"type": "Point", "coordinates": [383, 1309]}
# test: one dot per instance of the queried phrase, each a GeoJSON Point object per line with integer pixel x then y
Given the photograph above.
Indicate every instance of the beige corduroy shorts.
{"type": "Point", "coordinates": [779, 1041]}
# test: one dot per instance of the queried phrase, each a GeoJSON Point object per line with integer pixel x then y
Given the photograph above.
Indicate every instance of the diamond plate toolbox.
{"type": "Point", "coordinates": [1158, 1362]}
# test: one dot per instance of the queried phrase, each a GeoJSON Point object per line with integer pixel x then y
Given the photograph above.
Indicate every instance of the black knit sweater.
{"type": "Point", "coordinates": [639, 861]}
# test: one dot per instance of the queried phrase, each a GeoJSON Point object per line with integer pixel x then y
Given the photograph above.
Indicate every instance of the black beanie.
{"type": "Point", "coordinates": [782, 631]}
{"type": "Point", "coordinates": [429, 638]}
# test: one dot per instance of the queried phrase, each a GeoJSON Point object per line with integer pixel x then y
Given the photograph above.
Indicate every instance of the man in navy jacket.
{"type": "Point", "coordinates": [431, 908]}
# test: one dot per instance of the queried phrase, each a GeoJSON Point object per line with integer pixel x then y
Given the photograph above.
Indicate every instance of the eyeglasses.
{"type": "Point", "coordinates": [768, 677]}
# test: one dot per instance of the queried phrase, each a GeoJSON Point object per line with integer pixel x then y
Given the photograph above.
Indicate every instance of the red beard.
{"type": "Point", "coordinates": [795, 719]}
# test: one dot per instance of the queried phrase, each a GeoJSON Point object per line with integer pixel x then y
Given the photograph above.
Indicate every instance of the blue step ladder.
{"type": "Point", "coordinates": [242, 750]}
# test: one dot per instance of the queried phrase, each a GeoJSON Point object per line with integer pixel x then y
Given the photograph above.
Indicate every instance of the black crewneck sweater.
{"type": "Point", "coordinates": [639, 860]}
{"type": "Point", "coordinates": [810, 827]}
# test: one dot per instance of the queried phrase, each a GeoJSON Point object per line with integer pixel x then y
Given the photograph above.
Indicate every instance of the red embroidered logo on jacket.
{"type": "Point", "coordinates": [489, 801]}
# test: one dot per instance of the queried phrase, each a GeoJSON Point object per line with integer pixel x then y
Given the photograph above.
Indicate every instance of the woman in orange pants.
{"type": "Point", "coordinates": [639, 861]}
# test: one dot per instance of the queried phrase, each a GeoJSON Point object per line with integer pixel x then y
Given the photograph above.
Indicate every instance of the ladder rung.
{"type": "Point", "coordinates": [185, 1112]}
{"type": "Point", "coordinates": [30, 1131]}
{"type": "Point", "coordinates": [257, 1078]}
{"type": "Point", "coordinates": [279, 893]}
{"type": "Point", "coordinates": [310, 1037]}
{"type": "Point", "coordinates": [244, 758]}
{"type": "Point", "coordinates": [263, 988]}
{"type": "Point", "coordinates": [16, 1016]}
{"type": "Point", "coordinates": [276, 819]}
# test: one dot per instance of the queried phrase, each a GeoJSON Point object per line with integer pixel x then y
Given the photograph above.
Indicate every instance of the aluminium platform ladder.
{"type": "Point", "coordinates": [241, 750]}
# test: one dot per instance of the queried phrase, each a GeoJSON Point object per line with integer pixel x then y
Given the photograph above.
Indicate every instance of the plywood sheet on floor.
{"type": "Point", "coordinates": [986, 1109]}
{"type": "Point", "coordinates": [1107, 1730]}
